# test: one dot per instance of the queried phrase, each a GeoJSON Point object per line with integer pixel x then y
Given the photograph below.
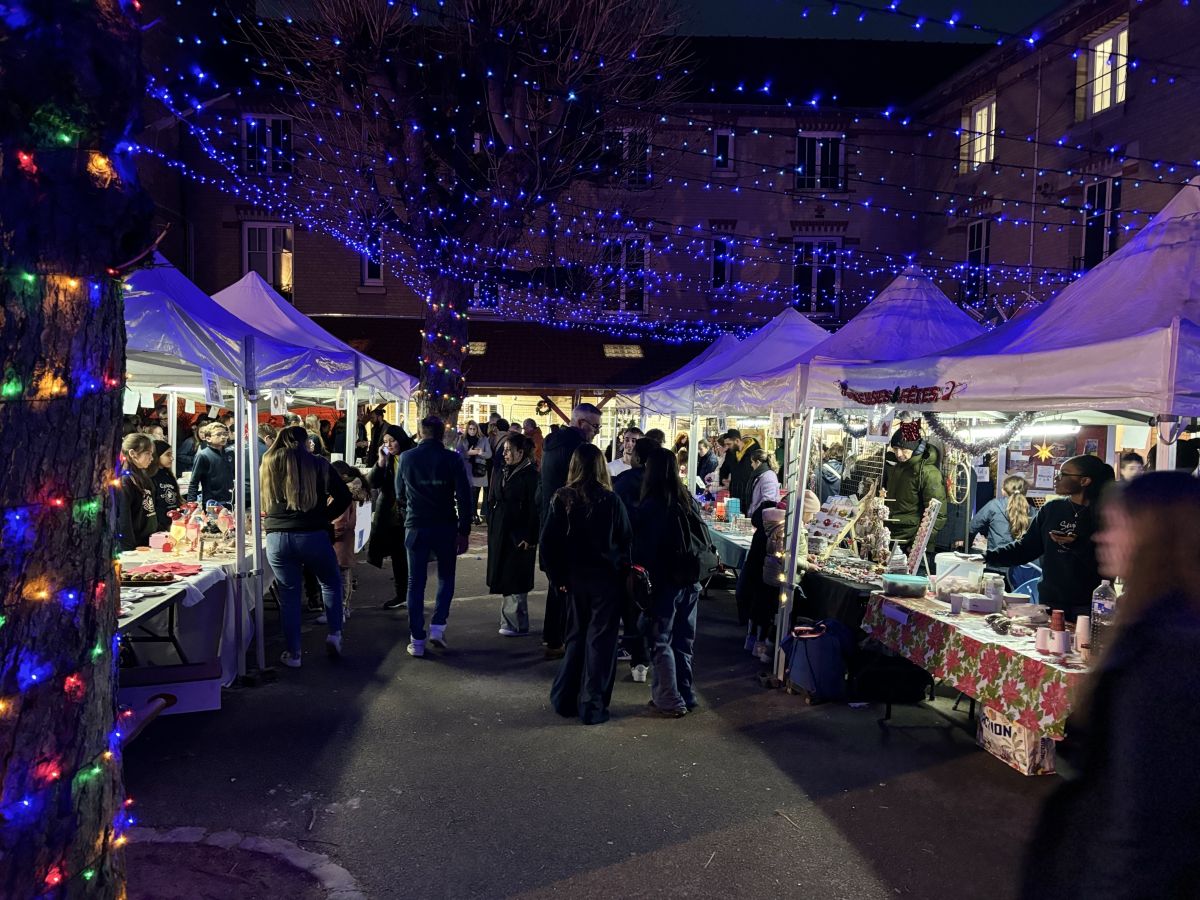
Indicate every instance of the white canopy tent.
{"type": "Point", "coordinates": [254, 301]}
{"type": "Point", "coordinates": [174, 333]}
{"type": "Point", "coordinates": [910, 316]}
{"type": "Point", "coordinates": [1125, 337]}
{"type": "Point", "coordinates": [673, 394]}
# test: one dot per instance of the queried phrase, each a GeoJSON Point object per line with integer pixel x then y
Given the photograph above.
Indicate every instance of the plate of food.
{"type": "Point", "coordinates": [146, 579]}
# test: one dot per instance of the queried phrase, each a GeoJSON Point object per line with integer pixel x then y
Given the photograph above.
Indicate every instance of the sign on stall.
{"type": "Point", "coordinates": [212, 388]}
{"type": "Point", "coordinates": [278, 403]}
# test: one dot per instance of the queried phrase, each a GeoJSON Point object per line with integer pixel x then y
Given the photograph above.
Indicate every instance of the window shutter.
{"type": "Point", "coordinates": [1081, 84]}
{"type": "Point", "coordinates": [964, 142]}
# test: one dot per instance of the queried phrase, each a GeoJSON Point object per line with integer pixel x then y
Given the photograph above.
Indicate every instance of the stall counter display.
{"type": "Point", "coordinates": [831, 525]}
{"type": "Point", "coordinates": [1005, 672]}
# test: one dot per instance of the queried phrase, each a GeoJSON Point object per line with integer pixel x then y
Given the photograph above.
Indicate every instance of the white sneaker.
{"type": "Point", "coordinates": [767, 653]}
{"type": "Point", "coordinates": [437, 636]}
{"type": "Point", "coordinates": [508, 632]}
{"type": "Point", "coordinates": [639, 673]}
{"type": "Point", "coordinates": [292, 662]}
{"type": "Point", "coordinates": [333, 646]}
{"type": "Point", "coordinates": [322, 619]}
{"type": "Point", "coordinates": [416, 648]}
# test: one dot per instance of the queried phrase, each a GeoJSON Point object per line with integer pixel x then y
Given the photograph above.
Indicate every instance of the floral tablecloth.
{"type": "Point", "coordinates": [1003, 672]}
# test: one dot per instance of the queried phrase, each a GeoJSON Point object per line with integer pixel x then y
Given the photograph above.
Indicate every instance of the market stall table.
{"type": "Point", "coordinates": [828, 596]}
{"type": "Point", "coordinates": [205, 625]}
{"type": "Point", "coordinates": [1003, 672]}
{"type": "Point", "coordinates": [732, 546]}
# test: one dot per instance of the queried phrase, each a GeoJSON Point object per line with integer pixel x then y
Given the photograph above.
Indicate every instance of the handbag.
{"type": "Point", "coordinates": [639, 588]}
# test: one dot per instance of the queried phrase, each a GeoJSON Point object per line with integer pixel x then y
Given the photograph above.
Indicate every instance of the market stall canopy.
{"type": "Point", "coordinates": [256, 302]}
{"type": "Point", "coordinates": [674, 393]}
{"type": "Point", "coordinates": [909, 317]}
{"type": "Point", "coordinates": [1123, 337]}
{"type": "Point", "coordinates": [174, 330]}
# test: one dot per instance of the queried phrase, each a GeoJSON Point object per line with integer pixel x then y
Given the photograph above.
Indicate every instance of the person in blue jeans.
{"type": "Point", "coordinates": [434, 492]}
{"type": "Point", "coordinates": [301, 496]}
{"type": "Point", "coordinates": [660, 526]}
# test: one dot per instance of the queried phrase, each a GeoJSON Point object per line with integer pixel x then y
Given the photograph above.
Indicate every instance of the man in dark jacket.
{"type": "Point", "coordinates": [556, 460]}
{"type": "Point", "coordinates": [737, 473]}
{"type": "Point", "coordinates": [433, 490]}
{"type": "Point", "coordinates": [378, 427]}
{"type": "Point", "coordinates": [212, 473]}
{"type": "Point", "coordinates": [912, 483]}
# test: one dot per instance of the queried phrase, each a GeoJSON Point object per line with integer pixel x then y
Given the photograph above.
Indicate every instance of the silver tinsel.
{"type": "Point", "coordinates": [977, 448]}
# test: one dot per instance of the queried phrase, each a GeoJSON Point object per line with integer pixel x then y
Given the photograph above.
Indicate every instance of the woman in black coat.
{"type": "Point", "coordinates": [387, 523]}
{"type": "Point", "coordinates": [1127, 827]}
{"type": "Point", "coordinates": [513, 522]}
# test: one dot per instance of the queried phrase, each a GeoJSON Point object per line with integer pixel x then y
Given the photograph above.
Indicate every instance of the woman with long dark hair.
{"type": "Point", "coordinates": [301, 497]}
{"type": "Point", "coordinates": [137, 518]}
{"type": "Point", "coordinates": [475, 449]}
{"type": "Point", "coordinates": [1128, 824]}
{"type": "Point", "coordinates": [513, 522]}
{"type": "Point", "coordinates": [166, 488]}
{"type": "Point", "coordinates": [585, 548]}
{"type": "Point", "coordinates": [1061, 537]}
{"type": "Point", "coordinates": [387, 525]}
{"type": "Point", "coordinates": [660, 527]}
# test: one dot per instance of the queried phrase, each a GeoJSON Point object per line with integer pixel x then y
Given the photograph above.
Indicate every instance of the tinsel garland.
{"type": "Point", "coordinates": [977, 448]}
{"type": "Point", "coordinates": [855, 431]}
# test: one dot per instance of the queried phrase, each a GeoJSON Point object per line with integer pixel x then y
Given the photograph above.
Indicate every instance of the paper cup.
{"type": "Point", "coordinates": [956, 601]}
{"type": "Point", "coordinates": [1083, 632]}
{"type": "Point", "coordinates": [1061, 645]}
{"type": "Point", "coordinates": [1043, 639]}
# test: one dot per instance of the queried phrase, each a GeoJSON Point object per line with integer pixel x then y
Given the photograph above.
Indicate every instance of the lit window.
{"type": "Point", "coordinates": [623, 274]}
{"type": "Point", "coordinates": [623, 351]}
{"type": "Point", "coordinates": [816, 275]}
{"type": "Point", "coordinates": [267, 145]}
{"type": "Point", "coordinates": [1108, 55]}
{"type": "Point", "coordinates": [722, 153]}
{"type": "Point", "coordinates": [476, 348]}
{"type": "Point", "coordinates": [820, 164]}
{"type": "Point", "coordinates": [267, 250]}
{"type": "Point", "coordinates": [983, 132]}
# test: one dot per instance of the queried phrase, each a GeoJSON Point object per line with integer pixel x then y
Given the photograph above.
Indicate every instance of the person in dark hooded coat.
{"type": "Point", "coordinates": [514, 522]}
{"type": "Point", "coordinates": [387, 525]}
{"type": "Point", "coordinates": [912, 482]}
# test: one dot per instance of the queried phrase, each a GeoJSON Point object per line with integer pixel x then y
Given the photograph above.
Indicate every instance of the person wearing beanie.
{"type": "Point", "coordinates": [166, 488]}
{"type": "Point", "coordinates": [914, 480]}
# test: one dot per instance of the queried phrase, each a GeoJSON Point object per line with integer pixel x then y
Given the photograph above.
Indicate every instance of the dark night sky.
{"type": "Point", "coordinates": [782, 18]}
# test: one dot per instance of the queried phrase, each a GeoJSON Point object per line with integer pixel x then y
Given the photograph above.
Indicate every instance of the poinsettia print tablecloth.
{"type": "Point", "coordinates": [1004, 673]}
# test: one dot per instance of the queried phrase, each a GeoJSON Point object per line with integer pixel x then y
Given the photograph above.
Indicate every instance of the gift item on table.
{"type": "Point", "coordinates": [874, 537]}
{"type": "Point", "coordinates": [897, 563]}
{"type": "Point", "coordinates": [993, 586]}
{"type": "Point", "coordinates": [1028, 612]}
{"type": "Point", "coordinates": [183, 570]}
{"type": "Point", "coordinates": [945, 585]}
{"type": "Point", "coordinates": [904, 585]}
{"type": "Point", "coordinates": [981, 603]}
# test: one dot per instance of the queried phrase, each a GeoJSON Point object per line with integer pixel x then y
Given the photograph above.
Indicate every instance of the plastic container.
{"type": "Point", "coordinates": [955, 566]}
{"type": "Point", "coordinates": [913, 586]}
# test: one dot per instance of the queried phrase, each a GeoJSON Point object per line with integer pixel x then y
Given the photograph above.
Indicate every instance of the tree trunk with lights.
{"type": "Point", "coordinates": [69, 211]}
{"type": "Point", "coordinates": [443, 347]}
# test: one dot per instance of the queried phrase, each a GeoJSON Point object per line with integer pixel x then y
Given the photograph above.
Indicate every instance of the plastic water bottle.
{"type": "Point", "coordinates": [1104, 615]}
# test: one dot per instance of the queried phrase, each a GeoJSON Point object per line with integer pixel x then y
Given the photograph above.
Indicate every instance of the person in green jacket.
{"type": "Point", "coordinates": [913, 481]}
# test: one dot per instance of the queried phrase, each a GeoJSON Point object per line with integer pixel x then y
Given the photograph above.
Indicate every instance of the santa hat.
{"type": "Point", "coordinates": [908, 435]}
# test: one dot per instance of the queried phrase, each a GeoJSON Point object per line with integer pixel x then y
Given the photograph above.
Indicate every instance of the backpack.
{"type": "Point", "coordinates": [691, 556]}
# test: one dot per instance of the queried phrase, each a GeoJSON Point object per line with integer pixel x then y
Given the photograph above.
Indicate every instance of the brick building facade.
{"type": "Point", "coordinates": [755, 195]}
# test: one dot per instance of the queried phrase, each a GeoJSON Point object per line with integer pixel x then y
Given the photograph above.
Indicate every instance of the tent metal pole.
{"type": "Point", "coordinates": [796, 523]}
{"type": "Point", "coordinates": [256, 550]}
{"type": "Point", "coordinates": [173, 427]}
{"type": "Point", "coordinates": [693, 452]}
{"type": "Point", "coordinates": [239, 511]}
{"type": "Point", "coordinates": [351, 448]}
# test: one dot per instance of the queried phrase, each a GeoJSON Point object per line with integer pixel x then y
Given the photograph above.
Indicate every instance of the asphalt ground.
{"type": "Point", "coordinates": [450, 776]}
